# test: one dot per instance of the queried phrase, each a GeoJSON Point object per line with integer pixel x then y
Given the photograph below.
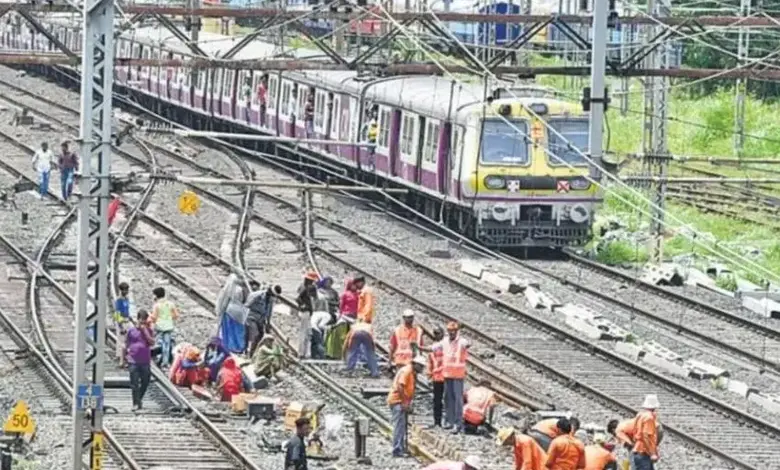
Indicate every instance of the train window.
{"type": "Point", "coordinates": [505, 142]}
{"type": "Point", "coordinates": [384, 128]}
{"type": "Point", "coordinates": [575, 133]}
{"type": "Point", "coordinates": [156, 69]}
{"type": "Point", "coordinates": [227, 84]}
{"type": "Point", "coordinates": [284, 107]}
{"type": "Point", "coordinates": [456, 146]}
{"type": "Point", "coordinates": [335, 119]}
{"type": "Point", "coordinates": [408, 131]}
{"type": "Point", "coordinates": [303, 95]}
{"type": "Point", "coordinates": [273, 85]}
{"type": "Point", "coordinates": [319, 110]}
{"type": "Point", "coordinates": [431, 142]}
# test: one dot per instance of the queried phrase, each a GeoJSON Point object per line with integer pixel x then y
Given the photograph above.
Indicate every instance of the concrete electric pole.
{"type": "Point", "coordinates": [597, 82]}
{"type": "Point", "coordinates": [741, 87]}
{"type": "Point", "coordinates": [91, 309]}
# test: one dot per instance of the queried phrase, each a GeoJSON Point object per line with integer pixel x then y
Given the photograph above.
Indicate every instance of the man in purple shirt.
{"type": "Point", "coordinates": [68, 162]}
{"type": "Point", "coordinates": [138, 353]}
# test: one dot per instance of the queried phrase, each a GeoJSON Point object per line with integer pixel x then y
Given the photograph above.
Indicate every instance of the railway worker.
{"type": "Point", "coordinates": [232, 315]}
{"type": "Point", "coordinates": [360, 343]}
{"type": "Point", "coordinates": [262, 93]}
{"type": "Point", "coordinates": [122, 319]}
{"type": "Point", "coordinates": [42, 161]}
{"type": "Point", "coordinates": [400, 401]}
{"type": "Point", "coordinates": [295, 448]}
{"type": "Point", "coordinates": [527, 453]}
{"type": "Point", "coordinates": [68, 163]}
{"type": "Point", "coordinates": [471, 462]}
{"type": "Point", "coordinates": [229, 380]}
{"type": "Point", "coordinates": [328, 294]}
{"type": "Point", "coordinates": [260, 303]}
{"type": "Point", "coordinates": [566, 452]}
{"type": "Point", "coordinates": [547, 429]}
{"type": "Point", "coordinates": [164, 317]}
{"type": "Point", "coordinates": [436, 374]}
{"type": "Point", "coordinates": [455, 358]}
{"type": "Point", "coordinates": [600, 456]}
{"type": "Point", "coordinates": [269, 357]}
{"type": "Point", "coordinates": [480, 402]}
{"type": "Point", "coordinates": [137, 352]}
{"type": "Point", "coordinates": [406, 340]}
{"type": "Point", "coordinates": [624, 431]}
{"type": "Point", "coordinates": [645, 451]}
{"type": "Point", "coordinates": [305, 301]}
{"type": "Point", "coordinates": [188, 369]}
{"type": "Point", "coordinates": [366, 300]}
{"type": "Point", "coordinates": [214, 356]}
{"type": "Point", "coordinates": [320, 322]}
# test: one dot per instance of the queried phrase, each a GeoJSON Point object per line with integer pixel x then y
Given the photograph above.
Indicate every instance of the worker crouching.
{"type": "Point", "coordinates": [188, 369]}
{"type": "Point", "coordinates": [360, 343]}
{"type": "Point", "coordinates": [528, 455]}
{"type": "Point", "coordinates": [566, 452]}
{"type": "Point", "coordinates": [229, 380]}
{"type": "Point", "coordinates": [478, 411]}
{"type": "Point", "coordinates": [400, 401]}
{"type": "Point", "coordinates": [600, 456]}
{"type": "Point", "coordinates": [546, 430]}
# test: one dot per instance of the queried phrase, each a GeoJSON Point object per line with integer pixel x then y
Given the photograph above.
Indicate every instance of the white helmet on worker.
{"type": "Point", "coordinates": [651, 402]}
{"type": "Point", "coordinates": [408, 313]}
{"type": "Point", "coordinates": [473, 462]}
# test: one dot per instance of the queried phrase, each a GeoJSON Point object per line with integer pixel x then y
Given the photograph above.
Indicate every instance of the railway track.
{"type": "Point", "coordinates": [534, 351]}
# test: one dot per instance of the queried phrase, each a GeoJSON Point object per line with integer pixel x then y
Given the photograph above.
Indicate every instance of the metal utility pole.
{"type": "Point", "coordinates": [741, 86]}
{"type": "Point", "coordinates": [91, 309]}
{"type": "Point", "coordinates": [654, 137]}
{"type": "Point", "coordinates": [195, 22]}
{"type": "Point", "coordinates": [597, 82]}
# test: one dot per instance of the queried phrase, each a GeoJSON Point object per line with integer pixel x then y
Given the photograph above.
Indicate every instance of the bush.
{"type": "Point", "coordinates": [618, 252]}
{"type": "Point", "coordinates": [727, 282]}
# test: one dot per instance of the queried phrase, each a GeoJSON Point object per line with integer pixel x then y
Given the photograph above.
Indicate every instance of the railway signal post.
{"type": "Point", "coordinates": [92, 301]}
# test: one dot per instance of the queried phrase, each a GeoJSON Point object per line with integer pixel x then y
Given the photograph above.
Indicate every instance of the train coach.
{"type": "Point", "coordinates": [488, 166]}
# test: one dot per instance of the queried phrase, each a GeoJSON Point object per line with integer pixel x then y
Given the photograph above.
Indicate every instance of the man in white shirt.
{"type": "Point", "coordinates": [319, 325]}
{"type": "Point", "coordinates": [42, 163]}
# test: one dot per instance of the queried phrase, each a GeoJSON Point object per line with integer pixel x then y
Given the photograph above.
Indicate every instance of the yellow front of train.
{"type": "Point", "coordinates": [525, 176]}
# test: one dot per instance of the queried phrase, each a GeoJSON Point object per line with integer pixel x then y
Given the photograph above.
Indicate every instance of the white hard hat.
{"type": "Point", "coordinates": [420, 360]}
{"type": "Point", "coordinates": [651, 402]}
{"type": "Point", "coordinates": [473, 461]}
{"type": "Point", "coordinates": [408, 313]}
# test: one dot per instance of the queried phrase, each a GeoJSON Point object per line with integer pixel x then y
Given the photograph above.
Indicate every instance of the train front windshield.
{"type": "Point", "coordinates": [573, 135]}
{"type": "Point", "coordinates": [504, 142]}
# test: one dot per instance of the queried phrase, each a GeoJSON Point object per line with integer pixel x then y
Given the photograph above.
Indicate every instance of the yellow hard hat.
{"type": "Point", "coordinates": [504, 435]}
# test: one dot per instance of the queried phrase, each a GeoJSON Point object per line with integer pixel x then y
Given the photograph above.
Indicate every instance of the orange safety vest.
{"type": "Point", "coordinates": [404, 378]}
{"type": "Point", "coordinates": [478, 402]}
{"type": "Point", "coordinates": [404, 338]}
{"type": "Point", "coordinates": [455, 357]}
{"type": "Point", "coordinates": [366, 305]}
{"type": "Point", "coordinates": [597, 457]}
{"type": "Point", "coordinates": [646, 428]}
{"type": "Point", "coordinates": [436, 362]}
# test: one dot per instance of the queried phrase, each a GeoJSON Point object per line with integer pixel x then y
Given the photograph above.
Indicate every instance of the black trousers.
{"type": "Point", "coordinates": [140, 375]}
{"type": "Point", "coordinates": [438, 402]}
{"type": "Point", "coordinates": [254, 331]}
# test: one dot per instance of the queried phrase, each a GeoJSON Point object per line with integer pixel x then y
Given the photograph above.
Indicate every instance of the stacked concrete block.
{"type": "Point", "coordinates": [716, 270]}
{"type": "Point", "coordinates": [633, 351]}
{"type": "Point", "coordinates": [769, 402]}
{"type": "Point", "coordinates": [661, 275]}
{"type": "Point", "coordinates": [664, 359]}
{"type": "Point", "coordinates": [472, 268]}
{"type": "Point", "coordinates": [498, 281]}
{"type": "Point", "coordinates": [698, 278]}
{"type": "Point", "coordinates": [538, 299]}
{"type": "Point", "coordinates": [591, 324]}
{"type": "Point", "coordinates": [761, 294]}
{"type": "Point", "coordinates": [703, 371]}
{"type": "Point", "coordinates": [765, 306]}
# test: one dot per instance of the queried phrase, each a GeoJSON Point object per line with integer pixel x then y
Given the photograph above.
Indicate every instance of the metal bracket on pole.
{"type": "Point", "coordinates": [91, 305]}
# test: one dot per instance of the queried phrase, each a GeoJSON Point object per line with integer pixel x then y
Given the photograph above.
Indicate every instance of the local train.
{"type": "Point", "coordinates": [458, 151]}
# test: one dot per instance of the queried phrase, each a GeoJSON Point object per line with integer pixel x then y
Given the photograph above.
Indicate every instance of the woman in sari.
{"type": "Point", "coordinates": [232, 315]}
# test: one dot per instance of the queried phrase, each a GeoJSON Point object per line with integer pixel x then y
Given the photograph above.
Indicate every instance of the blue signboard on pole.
{"type": "Point", "coordinates": [89, 397]}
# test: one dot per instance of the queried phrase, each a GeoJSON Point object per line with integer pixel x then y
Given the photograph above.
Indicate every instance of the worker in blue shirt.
{"type": "Point", "coordinates": [122, 319]}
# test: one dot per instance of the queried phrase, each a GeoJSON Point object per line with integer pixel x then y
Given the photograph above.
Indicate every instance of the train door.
{"type": "Point", "coordinates": [420, 150]}
{"type": "Point", "coordinates": [407, 149]}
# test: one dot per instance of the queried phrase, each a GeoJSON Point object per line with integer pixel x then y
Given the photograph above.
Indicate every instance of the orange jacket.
{"type": "Point", "coordinates": [626, 432]}
{"type": "Point", "coordinates": [366, 305]}
{"type": "Point", "coordinates": [528, 454]}
{"type": "Point", "coordinates": [597, 457]}
{"type": "Point", "coordinates": [455, 358]}
{"type": "Point", "coordinates": [436, 362]}
{"type": "Point", "coordinates": [401, 344]}
{"type": "Point", "coordinates": [402, 390]}
{"type": "Point", "coordinates": [646, 433]}
{"type": "Point", "coordinates": [478, 403]}
{"type": "Point", "coordinates": [548, 427]}
{"type": "Point", "coordinates": [566, 453]}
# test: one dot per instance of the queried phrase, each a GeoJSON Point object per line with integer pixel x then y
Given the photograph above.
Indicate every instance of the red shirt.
{"type": "Point", "coordinates": [113, 208]}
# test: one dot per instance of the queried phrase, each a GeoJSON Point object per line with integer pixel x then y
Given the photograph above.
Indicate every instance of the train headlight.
{"type": "Point", "coordinates": [580, 184]}
{"type": "Point", "coordinates": [579, 214]}
{"type": "Point", "coordinates": [495, 182]}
